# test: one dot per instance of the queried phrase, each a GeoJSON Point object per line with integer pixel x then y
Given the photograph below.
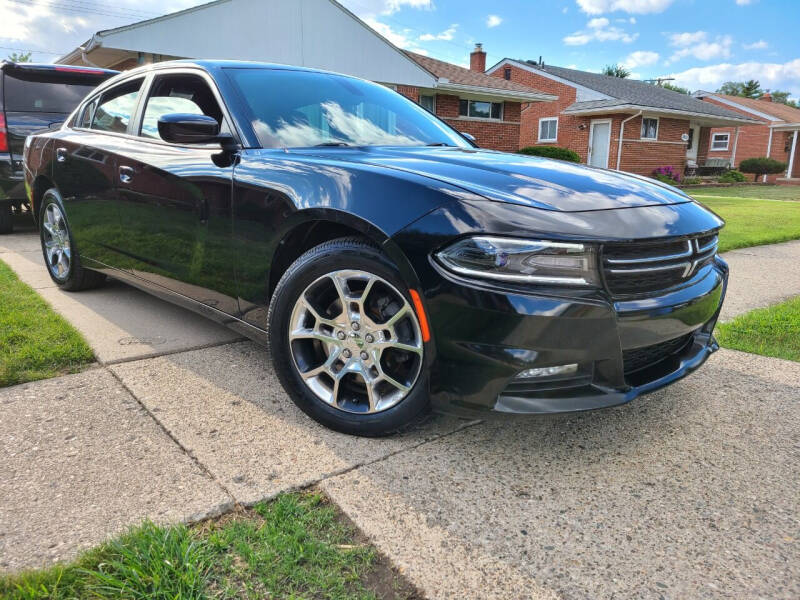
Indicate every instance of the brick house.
{"type": "Point", "coordinates": [486, 107]}
{"type": "Point", "coordinates": [593, 112]}
{"type": "Point", "coordinates": [775, 135]}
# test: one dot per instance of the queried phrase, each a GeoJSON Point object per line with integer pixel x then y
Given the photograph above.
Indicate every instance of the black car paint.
{"type": "Point", "coordinates": [230, 229]}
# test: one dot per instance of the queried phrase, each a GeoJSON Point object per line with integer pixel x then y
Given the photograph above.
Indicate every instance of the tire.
{"type": "Point", "coordinates": [6, 218]}
{"type": "Point", "coordinates": [58, 248]}
{"type": "Point", "coordinates": [392, 358]}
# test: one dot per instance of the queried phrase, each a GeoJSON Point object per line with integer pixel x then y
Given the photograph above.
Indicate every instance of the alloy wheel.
{"type": "Point", "coordinates": [356, 341]}
{"type": "Point", "coordinates": [57, 249]}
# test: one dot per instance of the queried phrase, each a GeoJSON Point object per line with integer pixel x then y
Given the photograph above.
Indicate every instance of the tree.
{"type": "Point", "coordinates": [20, 57]}
{"type": "Point", "coordinates": [745, 89]}
{"type": "Point", "coordinates": [761, 166]}
{"type": "Point", "coordinates": [675, 88]}
{"type": "Point", "coordinates": [616, 71]}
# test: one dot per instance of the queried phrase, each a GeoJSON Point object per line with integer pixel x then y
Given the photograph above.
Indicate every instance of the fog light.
{"type": "Point", "coordinates": [549, 371]}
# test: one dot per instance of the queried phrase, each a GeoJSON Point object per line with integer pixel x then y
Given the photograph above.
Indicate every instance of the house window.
{"type": "Point", "coordinates": [690, 141]}
{"type": "Point", "coordinates": [719, 141]}
{"type": "Point", "coordinates": [507, 73]}
{"type": "Point", "coordinates": [548, 129]}
{"type": "Point", "coordinates": [478, 109]}
{"type": "Point", "coordinates": [649, 129]}
{"type": "Point", "coordinates": [428, 102]}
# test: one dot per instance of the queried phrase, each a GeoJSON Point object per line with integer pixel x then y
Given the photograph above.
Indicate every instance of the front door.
{"type": "Point", "coordinates": [599, 142]}
{"type": "Point", "coordinates": [692, 143]}
{"type": "Point", "coordinates": [175, 203]}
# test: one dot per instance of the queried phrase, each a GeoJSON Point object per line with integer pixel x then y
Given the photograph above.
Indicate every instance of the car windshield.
{"type": "Point", "coordinates": [293, 109]}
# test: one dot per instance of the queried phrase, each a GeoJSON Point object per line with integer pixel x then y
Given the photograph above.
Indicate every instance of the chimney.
{"type": "Point", "coordinates": [767, 97]}
{"type": "Point", "coordinates": [477, 59]}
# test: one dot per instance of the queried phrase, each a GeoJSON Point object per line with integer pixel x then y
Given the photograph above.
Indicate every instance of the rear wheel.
{"type": "Point", "coordinates": [346, 341]}
{"type": "Point", "coordinates": [6, 217]}
{"type": "Point", "coordinates": [58, 248]}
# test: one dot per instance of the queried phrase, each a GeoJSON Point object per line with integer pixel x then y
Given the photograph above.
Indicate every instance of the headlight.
{"type": "Point", "coordinates": [522, 261]}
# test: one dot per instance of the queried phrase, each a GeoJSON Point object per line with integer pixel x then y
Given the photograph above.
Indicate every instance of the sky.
{"type": "Point", "coordinates": [699, 43]}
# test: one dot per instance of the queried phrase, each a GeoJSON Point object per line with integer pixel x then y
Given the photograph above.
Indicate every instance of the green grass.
{"type": "Point", "coordinates": [772, 331]}
{"type": "Point", "coordinates": [751, 221]}
{"type": "Point", "coordinates": [292, 547]}
{"type": "Point", "coordinates": [35, 342]}
{"type": "Point", "coordinates": [773, 192]}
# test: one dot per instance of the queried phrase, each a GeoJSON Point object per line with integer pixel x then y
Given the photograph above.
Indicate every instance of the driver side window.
{"type": "Point", "coordinates": [180, 93]}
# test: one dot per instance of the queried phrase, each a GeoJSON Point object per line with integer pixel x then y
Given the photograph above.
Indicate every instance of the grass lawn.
{"type": "Point", "coordinates": [35, 342]}
{"type": "Point", "coordinates": [293, 547]}
{"type": "Point", "coordinates": [772, 331]}
{"type": "Point", "coordinates": [754, 215]}
{"type": "Point", "coordinates": [773, 192]}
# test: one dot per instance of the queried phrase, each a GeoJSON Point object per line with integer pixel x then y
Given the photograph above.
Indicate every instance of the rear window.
{"type": "Point", "coordinates": [35, 95]}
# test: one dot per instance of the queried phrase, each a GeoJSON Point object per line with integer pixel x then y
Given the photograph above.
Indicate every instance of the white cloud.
{"type": "Point", "coordinates": [493, 21]}
{"type": "Point", "coordinates": [400, 38]}
{"type": "Point", "coordinates": [759, 45]}
{"type": "Point", "coordinates": [743, 2]}
{"type": "Point", "coordinates": [701, 49]}
{"type": "Point", "coordinates": [686, 39]}
{"type": "Point", "coordinates": [598, 30]}
{"type": "Point", "coordinates": [384, 7]}
{"type": "Point", "coordinates": [640, 58]}
{"type": "Point", "coordinates": [445, 35]}
{"type": "Point", "coordinates": [639, 7]}
{"type": "Point", "coordinates": [782, 76]}
{"type": "Point", "coordinates": [598, 23]}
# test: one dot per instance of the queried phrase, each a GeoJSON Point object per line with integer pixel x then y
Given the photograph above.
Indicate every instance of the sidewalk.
{"type": "Point", "coordinates": [688, 492]}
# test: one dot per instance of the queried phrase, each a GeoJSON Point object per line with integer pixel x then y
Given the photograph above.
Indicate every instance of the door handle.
{"type": "Point", "coordinates": [126, 174]}
{"type": "Point", "coordinates": [61, 154]}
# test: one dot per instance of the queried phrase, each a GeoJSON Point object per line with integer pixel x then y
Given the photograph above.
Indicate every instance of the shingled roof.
{"type": "Point", "coordinates": [454, 78]}
{"type": "Point", "coordinates": [615, 93]}
{"type": "Point", "coordinates": [776, 110]}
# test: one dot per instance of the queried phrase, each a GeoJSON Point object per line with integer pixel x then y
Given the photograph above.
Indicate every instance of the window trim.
{"type": "Point", "coordinates": [727, 142]}
{"type": "Point", "coordinates": [539, 137]}
{"type": "Point", "coordinates": [468, 116]}
{"type": "Point", "coordinates": [433, 107]}
{"type": "Point", "coordinates": [658, 124]}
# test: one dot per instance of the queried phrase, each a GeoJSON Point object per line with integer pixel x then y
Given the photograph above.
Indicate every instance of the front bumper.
{"type": "Point", "coordinates": [484, 337]}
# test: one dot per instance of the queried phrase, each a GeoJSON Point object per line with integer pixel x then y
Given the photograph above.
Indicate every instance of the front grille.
{"type": "Point", "coordinates": [641, 358]}
{"type": "Point", "coordinates": [636, 268]}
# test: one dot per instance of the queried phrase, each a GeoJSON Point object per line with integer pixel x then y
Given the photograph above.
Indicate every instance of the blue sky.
{"type": "Point", "coordinates": [701, 43]}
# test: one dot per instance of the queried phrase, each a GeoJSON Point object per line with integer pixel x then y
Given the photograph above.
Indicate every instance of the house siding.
{"type": "Point", "coordinates": [638, 156]}
{"type": "Point", "coordinates": [494, 135]}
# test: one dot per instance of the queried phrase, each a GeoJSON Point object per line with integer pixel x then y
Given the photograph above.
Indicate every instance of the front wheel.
{"type": "Point", "coordinates": [346, 341]}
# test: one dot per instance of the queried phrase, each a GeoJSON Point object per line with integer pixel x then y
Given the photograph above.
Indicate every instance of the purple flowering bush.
{"type": "Point", "coordinates": [667, 174]}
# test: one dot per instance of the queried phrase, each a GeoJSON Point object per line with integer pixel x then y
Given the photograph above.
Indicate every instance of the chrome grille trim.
{"type": "Point", "coordinates": [647, 268]}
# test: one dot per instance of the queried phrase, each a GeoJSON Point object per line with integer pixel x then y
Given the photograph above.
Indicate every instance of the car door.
{"type": "Point", "coordinates": [174, 201]}
{"type": "Point", "coordinates": [85, 169]}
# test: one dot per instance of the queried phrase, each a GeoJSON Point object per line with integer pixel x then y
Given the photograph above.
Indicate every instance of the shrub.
{"type": "Point", "coordinates": [551, 152]}
{"type": "Point", "coordinates": [692, 180]}
{"type": "Point", "coordinates": [732, 176]}
{"type": "Point", "coordinates": [667, 174]}
{"type": "Point", "coordinates": [761, 166]}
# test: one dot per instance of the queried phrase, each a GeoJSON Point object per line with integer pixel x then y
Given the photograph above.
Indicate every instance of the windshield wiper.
{"type": "Point", "coordinates": [439, 144]}
{"type": "Point", "coordinates": [331, 144]}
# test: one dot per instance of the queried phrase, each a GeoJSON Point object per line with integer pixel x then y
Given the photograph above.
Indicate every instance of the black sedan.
{"type": "Point", "coordinates": [391, 266]}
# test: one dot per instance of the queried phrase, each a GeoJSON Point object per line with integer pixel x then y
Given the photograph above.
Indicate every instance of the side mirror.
{"type": "Point", "coordinates": [467, 136]}
{"type": "Point", "coordinates": [181, 128]}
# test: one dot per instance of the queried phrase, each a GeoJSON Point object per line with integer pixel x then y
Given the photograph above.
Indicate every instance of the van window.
{"type": "Point", "coordinates": [30, 95]}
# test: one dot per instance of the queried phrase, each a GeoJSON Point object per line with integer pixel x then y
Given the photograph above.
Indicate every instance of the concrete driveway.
{"type": "Point", "coordinates": [688, 492]}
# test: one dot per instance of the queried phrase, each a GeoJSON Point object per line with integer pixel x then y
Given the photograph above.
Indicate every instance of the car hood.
{"type": "Point", "coordinates": [526, 180]}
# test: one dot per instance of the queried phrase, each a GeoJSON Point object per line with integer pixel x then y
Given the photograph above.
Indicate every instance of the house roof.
{"type": "Point", "coordinates": [451, 77]}
{"type": "Point", "coordinates": [779, 112]}
{"type": "Point", "coordinates": [616, 93]}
